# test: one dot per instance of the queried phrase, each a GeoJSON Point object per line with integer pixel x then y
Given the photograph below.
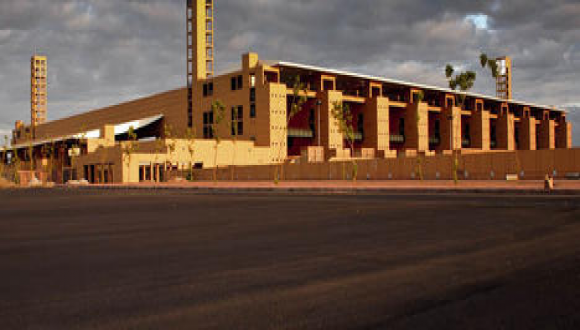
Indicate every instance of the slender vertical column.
{"type": "Point", "coordinates": [479, 123]}
{"type": "Point", "coordinates": [547, 132]}
{"type": "Point", "coordinates": [331, 137]}
{"type": "Point", "coordinates": [376, 124]}
{"type": "Point", "coordinates": [417, 126]}
{"type": "Point", "coordinates": [528, 133]}
{"type": "Point", "coordinates": [451, 128]}
{"type": "Point", "coordinates": [564, 134]}
{"type": "Point", "coordinates": [505, 129]}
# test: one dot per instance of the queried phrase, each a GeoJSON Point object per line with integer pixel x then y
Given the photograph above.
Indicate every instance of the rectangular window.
{"type": "Point", "coordinates": [208, 125]}
{"type": "Point", "coordinates": [253, 80]}
{"type": "Point", "coordinates": [204, 90]}
{"type": "Point", "coordinates": [311, 122]}
{"type": "Point", "coordinates": [240, 127]}
{"type": "Point", "coordinates": [208, 13]}
{"type": "Point", "coordinates": [437, 129]}
{"type": "Point", "coordinates": [209, 52]}
{"type": "Point", "coordinates": [237, 115]}
{"type": "Point", "coordinates": [209, 25]}
{"type": "Point", "coordinates": [360, 125]}
{"type": "Point", "coordinates": [209, 39]}
{"type": "Point", "coordinates": [252, 94]}
{"type": "Point", "coordinates": [210, 89]}
{"type": "Point", "coordinates": [240, 82]}
{"type": "Point", "coordinates": [234, 85]}
{"type": "Point", "coordinates": [402, 126]}
{"type": "Point", "coordinates": [252, 110]}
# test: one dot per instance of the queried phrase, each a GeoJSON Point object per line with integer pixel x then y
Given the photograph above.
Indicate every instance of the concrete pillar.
{"type": "Point", "coordinates": [108, 134]}
{"type": "Point", "coordinates": [417, 127]}
{"type": "Point", "coordinates": [505, 130]}
{"type": "Point", "coordinates": [527, 134]}
{"type": "Point", "coordinates": [451, 128]}
{"type": "Point", "coordinates": [479, 122]}
{"type": "Point", "coordinates": [547, 134]}
{"type": "Point", "coordinates": [330, 135]}
{"type": "Point", "coordinates": [564, 134]}
{"type": "Point", "coordinates": [376, 124]}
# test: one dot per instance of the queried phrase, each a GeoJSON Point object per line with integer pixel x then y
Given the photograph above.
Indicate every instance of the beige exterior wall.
{"type": "Point", "coordinates": [494, 165]}
{"type": "Point", "coordinates": [376, 124]}
{"type": "Point", "coordinates": [207, 153]}
{"type": "Point", "coordinates": [417, 126]}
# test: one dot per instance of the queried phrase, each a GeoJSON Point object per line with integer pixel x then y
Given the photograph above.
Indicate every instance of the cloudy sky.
{"type": "Point", "coordinates": [103, 52]}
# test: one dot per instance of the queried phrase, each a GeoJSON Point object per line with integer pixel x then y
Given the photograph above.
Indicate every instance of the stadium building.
{"type": "Point", "coordinates": [153, 138]}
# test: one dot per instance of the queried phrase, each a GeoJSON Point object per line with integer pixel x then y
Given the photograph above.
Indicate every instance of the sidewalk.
{"type": "Point", "coordinates": [513, 187]}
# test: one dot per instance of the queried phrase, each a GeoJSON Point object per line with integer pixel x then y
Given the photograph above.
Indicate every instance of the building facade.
{"type": "Point", "coordinates": [181, 129]}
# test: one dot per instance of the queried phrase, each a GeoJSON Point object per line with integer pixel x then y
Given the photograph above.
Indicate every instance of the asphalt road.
{"type": "Point", "coordinates": [178, 260]}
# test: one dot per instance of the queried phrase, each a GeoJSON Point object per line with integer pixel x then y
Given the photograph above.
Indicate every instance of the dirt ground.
{"type": "Point", "coordinates": [145, 259]}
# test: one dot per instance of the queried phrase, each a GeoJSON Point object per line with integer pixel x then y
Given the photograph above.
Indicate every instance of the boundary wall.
{"type": "Point", "coordinates": [527, 165]}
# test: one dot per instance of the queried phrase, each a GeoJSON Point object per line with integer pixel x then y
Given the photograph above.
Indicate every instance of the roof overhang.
{"type": "Point", "coordinates": [120, 129]}
{"type": "Point", "coordinates": [406, 84]}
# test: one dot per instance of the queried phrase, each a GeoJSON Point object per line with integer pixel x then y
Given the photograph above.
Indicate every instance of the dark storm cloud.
{"type": "Point", "coordinates": [106, 51]}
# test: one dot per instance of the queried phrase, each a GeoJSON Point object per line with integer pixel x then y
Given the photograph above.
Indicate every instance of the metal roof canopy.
{"type": "Point", "coordinates": [120, 129]}
{"type": "Point", "coordinates": [407, 84]}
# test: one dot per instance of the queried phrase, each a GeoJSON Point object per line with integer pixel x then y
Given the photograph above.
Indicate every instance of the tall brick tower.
{"type": "Point", "coordinates": [200, 47]}
{"type": "Point", "coordinates": [38, 91]}
{"type": "Point", "coordinates": [504, 78]}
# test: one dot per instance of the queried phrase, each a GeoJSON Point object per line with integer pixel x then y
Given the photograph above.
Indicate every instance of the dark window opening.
{"type": "Point", "coordinates": [240, 82]}
{"type": "Point", "coordinates": [402, 126]}
{"type": "Point", "coordinates": [252, 110]}
{"type": "Point", "coordinates": [311, 122]}
{"type": "Point", "coordinates": [253, 95]}
{"type": "Point", "coordinates": [360, 125]}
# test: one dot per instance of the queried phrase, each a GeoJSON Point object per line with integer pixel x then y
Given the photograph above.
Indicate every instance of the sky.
{"type": "Point", "coordinates": [103, 52]}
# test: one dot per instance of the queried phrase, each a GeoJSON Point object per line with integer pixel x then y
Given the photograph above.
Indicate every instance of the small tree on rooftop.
{"type": "Point", "coordinates": [344, 118]}
{"type": "Point", "coordinates": [219, 113]}
{"type": "Point", "coordinates": [491, 64]}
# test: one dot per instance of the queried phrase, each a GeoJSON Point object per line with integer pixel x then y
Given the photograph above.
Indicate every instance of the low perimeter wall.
{"type": "Point", "coordinates": [527, 165]}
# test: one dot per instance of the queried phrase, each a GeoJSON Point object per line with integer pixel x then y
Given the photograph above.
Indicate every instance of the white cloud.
{"type": "Point", "coordinates": [481, 21]}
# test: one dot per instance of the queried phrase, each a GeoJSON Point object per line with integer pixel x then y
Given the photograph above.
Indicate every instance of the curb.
{"type": "Point", "coordinates": [336, 191]}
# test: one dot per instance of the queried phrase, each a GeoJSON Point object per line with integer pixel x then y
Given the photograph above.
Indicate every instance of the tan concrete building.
{"type": "Point", "coordinates": [179, 129]}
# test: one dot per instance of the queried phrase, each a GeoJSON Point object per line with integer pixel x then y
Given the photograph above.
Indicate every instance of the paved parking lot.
{"type": "Point", "coordinates": [145, 259]}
